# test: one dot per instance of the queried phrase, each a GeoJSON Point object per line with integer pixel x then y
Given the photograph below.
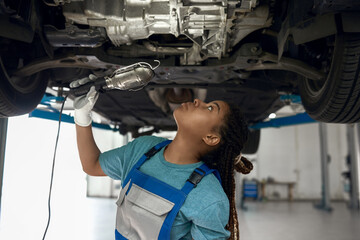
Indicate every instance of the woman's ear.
{"type": "Point", "coordinates": [211, 139]}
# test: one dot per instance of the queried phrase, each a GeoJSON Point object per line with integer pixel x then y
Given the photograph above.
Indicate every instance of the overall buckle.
{"type": "Point", "coordinates": [151, 152]}
{"type": "Point", "coordinates": [196, 176]}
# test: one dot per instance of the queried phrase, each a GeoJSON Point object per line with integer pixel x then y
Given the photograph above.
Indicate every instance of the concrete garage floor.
{"type": "Point", "coordinates": [298, 221]}
{"type": "Point", "coordinates": [262, 221]}
{"type": "Point", "coordinates": [94, 219]}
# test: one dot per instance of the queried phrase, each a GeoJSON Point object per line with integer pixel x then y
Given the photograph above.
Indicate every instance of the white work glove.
{"type": "Point", "coordinates": [85, 103]}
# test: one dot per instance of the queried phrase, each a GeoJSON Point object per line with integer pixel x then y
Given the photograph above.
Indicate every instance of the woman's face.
{"type": "Point", "coordinates": [200, 118]}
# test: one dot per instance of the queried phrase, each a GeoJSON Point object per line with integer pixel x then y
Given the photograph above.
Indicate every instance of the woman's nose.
{"type": "Point", "coordinates": [197, 102]}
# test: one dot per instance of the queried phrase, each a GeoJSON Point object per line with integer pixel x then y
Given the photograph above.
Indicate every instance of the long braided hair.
{"type": "Point", "coordinates": [226, 158]}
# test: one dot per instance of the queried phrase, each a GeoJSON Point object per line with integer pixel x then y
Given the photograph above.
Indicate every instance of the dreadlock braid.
{"type": "Point", "coordinates": [234, 133]}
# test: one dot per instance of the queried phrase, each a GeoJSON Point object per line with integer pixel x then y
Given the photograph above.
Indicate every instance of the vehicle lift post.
{"type": "Point", "coordinates": [325, 160]}
{"type": "Point", "coordinates": [354, 164]}
{"type": "Point", "coordinates": [3, 131]}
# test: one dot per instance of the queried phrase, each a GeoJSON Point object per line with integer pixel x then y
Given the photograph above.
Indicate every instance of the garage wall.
{"type": "Point", "coordinates": [289, 154]}
{"type": "Point", "coordinates": [28, 162]}
{"type": "Point", "coordinates": [292, 154]}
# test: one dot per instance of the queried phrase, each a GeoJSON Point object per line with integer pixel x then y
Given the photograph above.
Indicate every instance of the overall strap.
{"type": "Point", "coordinates": [151, 153]}
{"type": "Point", "coordinates": [196, 177]}
{"type": "Point", "coordinates": [189, 185]}
{"type": "Point", "coordinates": [144, 158]}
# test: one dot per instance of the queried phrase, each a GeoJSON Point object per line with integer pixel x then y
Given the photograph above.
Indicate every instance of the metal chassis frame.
{"type": "Point", "coordinates": [300, 118]}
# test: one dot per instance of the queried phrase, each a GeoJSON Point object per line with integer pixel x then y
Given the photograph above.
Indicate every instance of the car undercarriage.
{"type": "Point", "coordinates": [247, 52]}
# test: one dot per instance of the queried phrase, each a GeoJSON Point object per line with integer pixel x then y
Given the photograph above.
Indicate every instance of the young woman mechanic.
{"type": "Point", "coordinates": [213, 133]}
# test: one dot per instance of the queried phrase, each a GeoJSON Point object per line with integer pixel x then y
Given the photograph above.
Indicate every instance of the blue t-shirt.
{"type": "Point", "coordinates": [205, 211]}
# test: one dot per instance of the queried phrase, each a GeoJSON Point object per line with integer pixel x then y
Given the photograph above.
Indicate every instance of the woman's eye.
{"type": "Point", "coordinates": [210, 108]}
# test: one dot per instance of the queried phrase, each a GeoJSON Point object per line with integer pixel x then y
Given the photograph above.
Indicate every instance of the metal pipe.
{"type": "Point", "coordinates": [178, 91]}
{"type": "Point", "coordinates": [358, 164]}
{"type": "Point", "coordinates": [167, 50]}
{"type": "Point", "coordinates": [325, 159]}
{"type": "Point", "coordinates": [354, 171]}
{"type": "Point", "coordinates": [3, 132]}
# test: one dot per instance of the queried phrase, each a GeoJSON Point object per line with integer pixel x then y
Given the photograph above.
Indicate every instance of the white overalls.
{"type": "Point", "coordinates": [147, 207]}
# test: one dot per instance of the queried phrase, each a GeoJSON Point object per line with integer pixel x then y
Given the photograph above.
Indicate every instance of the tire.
{"type": "Point", "coordinates": [22, 95]}
{"type": "Point", "coordinates": [337, 100]}
{"type": "Point", "coordinates": [252, 144]}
